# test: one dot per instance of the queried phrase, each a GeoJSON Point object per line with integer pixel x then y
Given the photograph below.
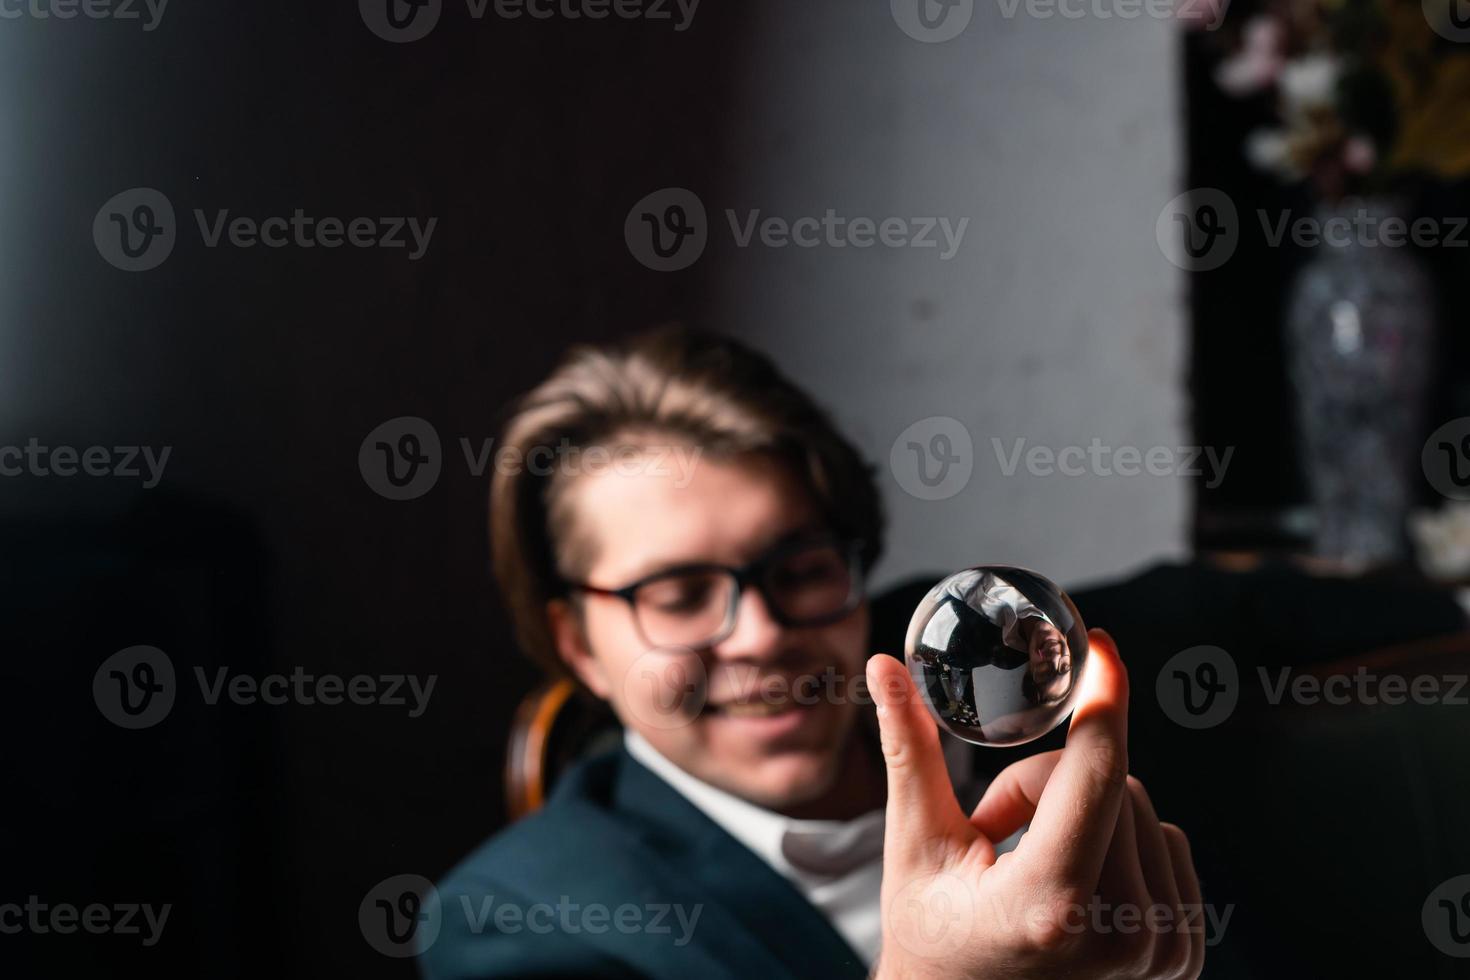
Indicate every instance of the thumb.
{"type": "Point", "coordinates": [922, 809]}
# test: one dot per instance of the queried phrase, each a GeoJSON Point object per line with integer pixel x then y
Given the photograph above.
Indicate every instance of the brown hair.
{"type": "Point", "coordinates": [710, 391]}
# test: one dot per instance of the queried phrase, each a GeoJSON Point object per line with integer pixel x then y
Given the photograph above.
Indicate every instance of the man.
{"type": "Point", "coordinates": [747, 828]}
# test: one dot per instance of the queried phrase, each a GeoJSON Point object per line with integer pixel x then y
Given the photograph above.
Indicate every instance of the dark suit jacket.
{"type": "Point", "coordinates": [614, 835]}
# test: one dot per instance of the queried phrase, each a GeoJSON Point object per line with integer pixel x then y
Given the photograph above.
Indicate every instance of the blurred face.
{"type": "Point", "coordinates": [1051, 662]}
{"type": "Point", "coordinates": [766, 713]}
{"type": "Point", "coordinates": [1048, 646]}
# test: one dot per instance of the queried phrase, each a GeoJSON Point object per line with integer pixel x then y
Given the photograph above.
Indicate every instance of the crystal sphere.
{"type": "Point", "coordinates": [997, 653]}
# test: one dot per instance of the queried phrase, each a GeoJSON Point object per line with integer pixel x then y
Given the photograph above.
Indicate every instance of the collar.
{"type": "Point", "coordinates": [804, 850]}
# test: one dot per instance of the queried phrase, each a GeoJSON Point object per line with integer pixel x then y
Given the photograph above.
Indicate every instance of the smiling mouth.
{"type": "Point", "coordinates": [753, 709]}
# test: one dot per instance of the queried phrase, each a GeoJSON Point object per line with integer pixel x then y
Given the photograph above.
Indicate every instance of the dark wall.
{"type": "Point", "coordinates": [263, 549]}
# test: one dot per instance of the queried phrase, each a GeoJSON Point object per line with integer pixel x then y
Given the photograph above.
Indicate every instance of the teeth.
{"type": "Point", "coordinates": [755, 709]}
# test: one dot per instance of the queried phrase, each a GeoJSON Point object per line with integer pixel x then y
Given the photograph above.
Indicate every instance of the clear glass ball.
{"type": "Point", "coordinates": [997, 653]}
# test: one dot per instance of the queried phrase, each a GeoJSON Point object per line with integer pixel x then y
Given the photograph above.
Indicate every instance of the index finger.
{"type": "Point", "coordinates": [1078, 808]}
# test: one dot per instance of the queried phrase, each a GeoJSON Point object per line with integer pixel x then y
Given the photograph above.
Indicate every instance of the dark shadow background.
{"type": "Point", "coordinates": [264, 550]}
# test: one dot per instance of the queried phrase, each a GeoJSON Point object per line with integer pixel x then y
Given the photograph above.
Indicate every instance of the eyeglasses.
{"type": "Point", "coordinates": [805, 583]}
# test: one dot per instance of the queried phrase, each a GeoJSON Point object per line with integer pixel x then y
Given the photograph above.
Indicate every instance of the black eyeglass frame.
{"type": "Point", "coordinates": [750, 574]}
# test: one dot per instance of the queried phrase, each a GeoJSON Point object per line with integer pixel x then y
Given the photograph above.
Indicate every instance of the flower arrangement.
{"type": "Point", "coordinates": [1367, 93]}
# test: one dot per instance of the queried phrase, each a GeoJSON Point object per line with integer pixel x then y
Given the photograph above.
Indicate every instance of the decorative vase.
{"type": "Point", "coordinates": [1360, 334]}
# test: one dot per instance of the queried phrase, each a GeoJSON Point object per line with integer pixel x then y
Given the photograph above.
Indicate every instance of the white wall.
{"type": "Point", "coordinates": [1057, 321]}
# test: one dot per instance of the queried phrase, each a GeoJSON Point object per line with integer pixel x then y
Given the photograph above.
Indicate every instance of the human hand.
{"type": "Point", "coordinates": [952, 907]}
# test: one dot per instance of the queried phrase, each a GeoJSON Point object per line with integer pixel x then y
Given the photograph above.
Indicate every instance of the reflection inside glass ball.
{"type": "Point", "coordinates": [997, 653]}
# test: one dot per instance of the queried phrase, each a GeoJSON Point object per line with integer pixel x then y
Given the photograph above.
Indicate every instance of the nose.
{"type": "Point", "coordinates": [756, 634]}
